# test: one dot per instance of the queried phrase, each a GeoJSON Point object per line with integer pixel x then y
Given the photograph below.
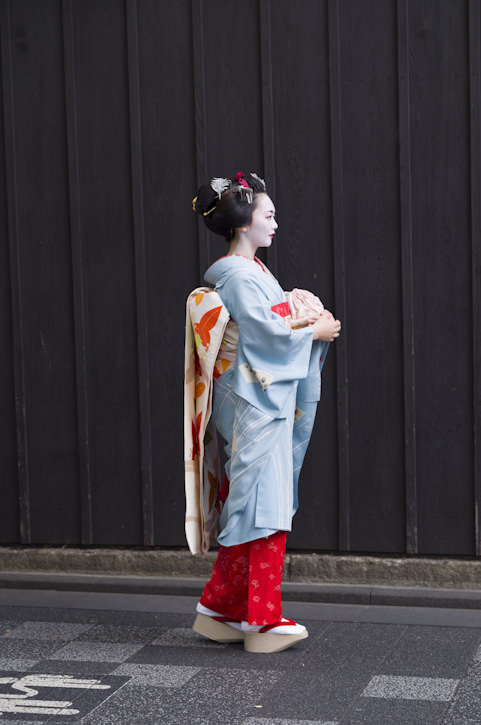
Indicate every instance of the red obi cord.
{"type": "Point", "coordinates": [246, 580]}
{"type": "Point", "coordinates": [281, 309]}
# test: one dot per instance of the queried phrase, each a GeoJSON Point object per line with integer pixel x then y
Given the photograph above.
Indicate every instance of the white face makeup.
{"type": "Point", "coordinates": [261, 230]}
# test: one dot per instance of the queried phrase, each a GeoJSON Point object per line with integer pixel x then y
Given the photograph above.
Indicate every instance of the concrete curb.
{"type": "Point", "coordinates": [308, 568]}
{"type": "Point", "coordinates": [291, 591]}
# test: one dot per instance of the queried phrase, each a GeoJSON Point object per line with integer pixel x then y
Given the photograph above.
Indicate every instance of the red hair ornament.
{"type": "Point", "coordinates": [239, 177]}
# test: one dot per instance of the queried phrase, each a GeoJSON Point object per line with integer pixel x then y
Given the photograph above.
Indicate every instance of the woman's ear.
{"type": "Point", "coordinates": [242, 229]}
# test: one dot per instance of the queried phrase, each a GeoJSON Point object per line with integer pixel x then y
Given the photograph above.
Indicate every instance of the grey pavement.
{"type": "Point", "coordinates": [306, 591]}
{"type": "Point", "coordinates": [132, 659]}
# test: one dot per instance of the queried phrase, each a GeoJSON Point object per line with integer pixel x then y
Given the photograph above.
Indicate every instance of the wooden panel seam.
{"type": "Point", "coordinates": [140, 272]}
{"type": "Point", "coordinates": [15, 275]}
{"type": "Point", "coordinates": [474, 19]}
{"type": "Point", "coordinates": [265, 38]}
{"type": "Point", "coordinates": [79, 301]}
{"type": "Point", "coordinates": [407, 279]}
{"type": "Point", "coordinates": [200, 120]}
{"type": "Point", "coordinates": [339, 274]}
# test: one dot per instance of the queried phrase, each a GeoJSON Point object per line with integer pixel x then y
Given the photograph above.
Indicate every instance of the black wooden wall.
{"type": "Point", "coordinates": [364, 118]}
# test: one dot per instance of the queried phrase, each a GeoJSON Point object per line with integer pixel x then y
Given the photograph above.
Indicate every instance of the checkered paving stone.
{"type": "Point", "coordinates": [276, 721]}
{"type": "Point", "coordinates": [438, 652]}
{"type": "Point", "coordinates": [183, 637]}
{"type": "Point", "coordinates": [411, 688]}
{"type": "Point", "coordinates": [120, 634]}
{"type": "Point", "coordinates": [133, 705]}
{"type": "Point", "coordinates": [77, 667]}
{"type": "Point", "coordinates": [17, 665]}
{"type": "Point", "coordinates": [27, 649]}
{"type": "Point", "coordinates": [96, 652]}
{"type": "Point", "coordinates": [377, 711]}
{"type": "Point", "coordinates": [46, 631]}
{"type": "Point", "coordinates": [467, 699]}
{"type": "Point", "coordinates": [157, 675]}
{"type": "Point", "coordinates": [141, 674]}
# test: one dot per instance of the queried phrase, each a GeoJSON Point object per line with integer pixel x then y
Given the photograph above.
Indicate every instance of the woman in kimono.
{"type": "Point", "coordinates": [263, 407]}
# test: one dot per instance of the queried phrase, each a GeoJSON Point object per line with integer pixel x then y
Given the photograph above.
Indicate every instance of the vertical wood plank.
{"type": "Point", "coordinates": [78, 271]}
{"type": "Point", "coordinates": [339, 274]}
{"type": "Point", "coordinates": [302, 138]}
{"type": "Point", "coordinates": [475, 149]}
{"type": "Point", "coordinates": [169, 183]}
{"type": "Point", "coordinates": [15, 274]}
{"type": "Point", "coordinates": [268, 114]}
{"type": "Point", "coordinates": [107, 231]}
{"type": "Point", "coordinates": [439, 120]}
{"type": "Point", "coordinates": [370, 142]}
{"type": "Point", "coordinates": [140, 272]}
{"type": "Point", "coordinates": [200, 124]}
{"type": "Point", "coordinates": [230, 93]}
{"type": "Point", "coordinates": [9, 502]}
{"type": "Point", "coordinates": [407, 277]}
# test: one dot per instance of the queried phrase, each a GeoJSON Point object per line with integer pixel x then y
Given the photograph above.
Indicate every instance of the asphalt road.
{"type": "Point", "coordinates": [132, 659]}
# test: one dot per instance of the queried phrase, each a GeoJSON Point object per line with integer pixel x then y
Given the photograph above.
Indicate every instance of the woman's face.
{"type": "Point", "coordinates": [262, 228]}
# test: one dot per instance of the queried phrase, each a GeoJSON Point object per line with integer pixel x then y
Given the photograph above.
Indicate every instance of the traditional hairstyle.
{"type": "Point", "coordinates": [227, 204]}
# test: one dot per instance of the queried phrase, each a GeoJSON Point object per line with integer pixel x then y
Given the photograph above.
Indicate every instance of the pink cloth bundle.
{"type": "Point", "coordinates": [304, 305]}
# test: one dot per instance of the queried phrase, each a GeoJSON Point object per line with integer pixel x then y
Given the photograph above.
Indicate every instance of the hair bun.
{"type": "Point", "coordinates": [205, 200]}
{"type": "Point", "coordinates": [226, 204]}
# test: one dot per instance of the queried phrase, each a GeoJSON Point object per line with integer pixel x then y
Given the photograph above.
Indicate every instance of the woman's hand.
{"type": "Point", "coordinates": [299, 322]}
{"type": "Point", "coordinates": [326, 328]}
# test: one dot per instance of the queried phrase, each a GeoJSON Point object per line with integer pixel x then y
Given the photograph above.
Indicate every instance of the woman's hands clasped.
{"type": "Point", "coordinates": [326, 328]}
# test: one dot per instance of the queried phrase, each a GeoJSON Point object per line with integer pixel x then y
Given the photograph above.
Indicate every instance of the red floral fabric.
{"type": "Point", "coordinates": [246, 580]}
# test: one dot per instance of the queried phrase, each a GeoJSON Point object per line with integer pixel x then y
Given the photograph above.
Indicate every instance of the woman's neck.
{"type": "Point", "coordinates": [241, 246]}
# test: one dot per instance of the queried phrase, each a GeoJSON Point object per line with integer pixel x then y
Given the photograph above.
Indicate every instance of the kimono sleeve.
{"type": "Point", "coordinates": [269, 346]}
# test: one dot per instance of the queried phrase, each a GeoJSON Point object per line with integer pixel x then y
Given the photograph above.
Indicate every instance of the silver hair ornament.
{"type": "Point", "coordinates": [219, 185]}
{"type": "Point", "coordinates": [246, 193]}
{"type": "Point", "coordinates": [259, 179]}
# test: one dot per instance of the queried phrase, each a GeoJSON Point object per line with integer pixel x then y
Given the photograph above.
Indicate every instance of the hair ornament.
{"type": "Point", "coordinates": [205, 213]}
{"type": "Point", "coordinates": [239, 177]}
{"type": "Point", "coordinates": [219, 185]}
{"type": "Point", "coordinates": [245, 192]}
{"type": "Point", "coordinates": [244, 188]}
{"type": "Point", "coordinates": [259, 179]}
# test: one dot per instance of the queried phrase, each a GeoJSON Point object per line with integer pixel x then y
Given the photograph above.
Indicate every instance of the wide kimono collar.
{"type": "Point", "coordinates": [222, 269]}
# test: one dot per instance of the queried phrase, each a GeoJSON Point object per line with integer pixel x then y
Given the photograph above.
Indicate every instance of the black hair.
{"type": "Point", "coordinates": [233, 210]}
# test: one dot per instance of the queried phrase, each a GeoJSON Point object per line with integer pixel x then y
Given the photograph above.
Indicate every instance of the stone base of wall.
{"type": "Point", "coordinates": [308, 568]}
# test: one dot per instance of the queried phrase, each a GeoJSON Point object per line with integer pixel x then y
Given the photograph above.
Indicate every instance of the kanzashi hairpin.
{"type": "Point", "coordinates": [219, 185]}
{"type": "Point", "coordinates": [244, 189]}
{"type": "Point", "coordinates": [239, 177]}
{"type": "Point", "coordinates": [259, 179]}
{"type": "Point", "coordinates": [246, 193]}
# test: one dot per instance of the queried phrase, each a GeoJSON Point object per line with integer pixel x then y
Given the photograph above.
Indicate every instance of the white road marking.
{"type": "Point", "coordinates": [24, 699]}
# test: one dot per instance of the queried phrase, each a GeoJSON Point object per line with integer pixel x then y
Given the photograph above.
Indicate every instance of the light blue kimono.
{"type": "Point", "coordinates": [264, 407]}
